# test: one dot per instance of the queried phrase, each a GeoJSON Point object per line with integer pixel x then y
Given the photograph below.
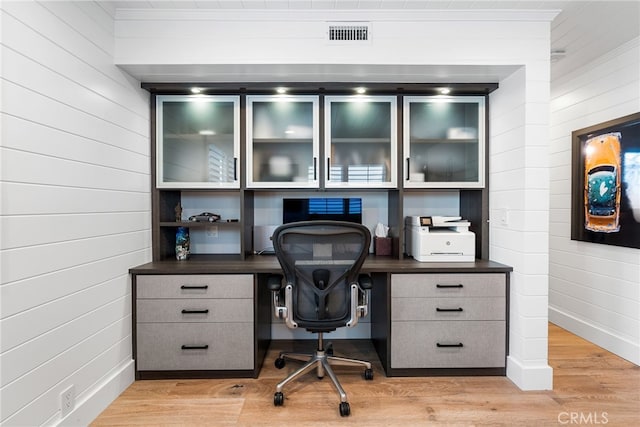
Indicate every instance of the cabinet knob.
{"type": "Point", "coordinates": [449, 286]}
{"type": "Point", "coordinates": [449, 309]}
{"type": "Point", "coordinates": [185, 311]}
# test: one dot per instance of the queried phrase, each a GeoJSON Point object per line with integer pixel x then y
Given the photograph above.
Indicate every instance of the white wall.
{"type": "Point", "coordinates": [450, 45]}
{"type": "Point", "coordinates": [275, 45]}
{"type": "Point", "coordinates": [594, 289]}
{"type": "Point", "coordinates": [75, 174]}
{"type": "Point", "coordinates": [75, 213]}
{"type": "Point", "coordinates": [518, 197]}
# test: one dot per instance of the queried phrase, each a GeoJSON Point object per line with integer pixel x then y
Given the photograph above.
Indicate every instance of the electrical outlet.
{"type": "Point", "coordinates": [212, 231]}
{"type": "Point", "coordinates": [67, 400]}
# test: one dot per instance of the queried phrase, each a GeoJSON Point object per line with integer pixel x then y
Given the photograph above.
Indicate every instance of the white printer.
{"type": "Point", "coordinates": [439, 239]}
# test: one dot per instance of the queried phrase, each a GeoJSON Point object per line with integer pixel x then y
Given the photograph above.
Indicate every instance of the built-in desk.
{"type": "Point", "coordinates": [211, 316]}
{"type": "Point", "coordinates": [215, 264]}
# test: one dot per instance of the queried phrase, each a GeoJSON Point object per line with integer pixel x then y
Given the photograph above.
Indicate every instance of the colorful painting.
{"type": "Point", "coordinates": [606, 183]}
{"type": "Point", "coordinates": [602, 185]}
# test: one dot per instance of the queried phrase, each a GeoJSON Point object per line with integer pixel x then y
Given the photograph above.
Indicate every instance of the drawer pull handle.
{"type": "Point", "coordinates": [449, 309]}
{"type": "Point", "coordinates": [194, 287]}
{"type": "Point", "coordinates": [449, 286]}
{"type": "Point", "coordinates": [195, 347]}
{"type": "Point", "coordinates": [315, 168]}
{"type": "Point", "coordinates": [235, 168]}
{"type": "Point", "coordinates": [449, 345]}
{"type": "Point", "coordinates": [408, 174]}
{"type": "Point", "coordinates": [195, 311]}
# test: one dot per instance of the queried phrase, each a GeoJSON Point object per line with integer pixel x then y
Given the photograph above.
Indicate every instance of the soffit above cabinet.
{"type": "Point", "coordinates": [577, 30]}
{"type": "Point", "coordinates": [310, 73]}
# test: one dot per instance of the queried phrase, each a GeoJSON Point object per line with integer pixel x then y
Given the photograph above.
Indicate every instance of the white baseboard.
{"type": "Point", "coordinates": [617, 345]}
{"type": "Point", "coordinates": [529, 377]}
{"type": "Point", "coordinates": [105, 393]}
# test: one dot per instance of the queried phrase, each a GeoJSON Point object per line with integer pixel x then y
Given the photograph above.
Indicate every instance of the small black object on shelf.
{"type": "Point", "coordinates": [205, 217]}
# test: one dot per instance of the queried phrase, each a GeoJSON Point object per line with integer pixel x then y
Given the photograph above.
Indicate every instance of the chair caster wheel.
{"type": "Point", "coordinates": [368, 374]}
{"type": "Point", "coordinates": [278, 399]}
{"type": "Point", "coordinates": [279, 363]}
{"type": "Point", "coordinates": [345, 409]}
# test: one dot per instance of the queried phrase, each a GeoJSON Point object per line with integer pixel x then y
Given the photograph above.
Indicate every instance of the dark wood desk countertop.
{"type": "Point", "coordinates": [214, 264]}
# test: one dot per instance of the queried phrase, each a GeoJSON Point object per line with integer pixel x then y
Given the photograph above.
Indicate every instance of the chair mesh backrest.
{"type": "Point", "coordinates": [320, 259]}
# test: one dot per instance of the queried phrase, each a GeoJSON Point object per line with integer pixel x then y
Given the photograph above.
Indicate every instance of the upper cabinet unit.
{"type": "Point", "coordinates": [444, 142]}
{"type": "Point", "coordinates": [360, 141]}
{"type": "Point", "coordinates": [198, 141]}
{"type": "Point", "coordinates": [282, 141]}
{"type": "Point", "coordinates": [236, 149]}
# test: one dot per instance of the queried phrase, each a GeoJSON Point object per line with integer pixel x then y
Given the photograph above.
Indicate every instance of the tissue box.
{"type": "Point", "coordinates": [382, 245]}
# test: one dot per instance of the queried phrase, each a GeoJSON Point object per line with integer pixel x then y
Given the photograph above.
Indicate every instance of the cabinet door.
{"type": "Point", "coordinates": [198, 141]}
{"type": "Point", "coordinates": [444, 142]}
{"type": "Point", "coordinates": [282, 141]}
{"type": "Point", "coordinates": [360, 141]}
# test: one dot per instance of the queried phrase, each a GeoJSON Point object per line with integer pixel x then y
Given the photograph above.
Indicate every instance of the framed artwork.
{"type": "Point", "coordinates": [605, 186]}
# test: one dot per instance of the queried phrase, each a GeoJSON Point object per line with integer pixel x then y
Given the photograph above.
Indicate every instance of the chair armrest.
{"type": "Point", "coordinates": [274, 282]}
{"type": "Point", "coordinates": [365, 281]}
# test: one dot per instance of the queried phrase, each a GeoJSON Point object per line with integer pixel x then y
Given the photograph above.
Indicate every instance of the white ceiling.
{"type": "Point", "coordinates": [584, 30]}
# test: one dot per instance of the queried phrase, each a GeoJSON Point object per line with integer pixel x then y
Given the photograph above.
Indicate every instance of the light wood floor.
{"type": "Point", "coordinates": [590, 387]}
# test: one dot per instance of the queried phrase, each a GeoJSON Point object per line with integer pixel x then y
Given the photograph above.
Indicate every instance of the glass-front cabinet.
{"type": "Point", "coordinates": [444, 142]}
{"type": "Point", "coordinates": [360, 141]}
{"type": "Point", "coordinates": [198, 141]}
{"type": "Point", "coordinates": [282, 141]}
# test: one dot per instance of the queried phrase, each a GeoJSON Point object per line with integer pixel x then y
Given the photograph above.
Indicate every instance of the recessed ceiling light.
{"type": "Point", "coordinates": [281, 90]}
{"type": "Point", "coordinates": [361, 90]}
{"type": "Point", "coordinates": [196, 90]}
{"type": "Point", "coordinates": [445, 90]}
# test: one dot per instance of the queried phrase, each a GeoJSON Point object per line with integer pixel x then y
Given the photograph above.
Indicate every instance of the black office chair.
{"type": "Point", "coordinates": [323, 290]}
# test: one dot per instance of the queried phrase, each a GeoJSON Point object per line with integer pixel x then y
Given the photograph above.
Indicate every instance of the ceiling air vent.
{"type": "Point", "coordinates": [349, 32]}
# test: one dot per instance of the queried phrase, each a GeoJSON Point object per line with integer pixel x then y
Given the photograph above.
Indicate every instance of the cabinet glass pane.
{"type": "Point", "coordinates": [283, 141]}
{"type": "Point", "coordinates": [444, 141]}
{"type": "Point", "coordinates": [361, 141]}
{"type": "Point", "coordinates": [197, 138]}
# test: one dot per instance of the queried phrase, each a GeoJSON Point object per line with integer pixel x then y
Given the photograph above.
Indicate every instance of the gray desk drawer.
{"type": "Point", "coordinates": [436, 344]}
{"type": "Point", "coordinates": [195, 286]}
{"type": "Point", "coordinates": [448, 285]}
{"type": "Point", "coordinates": [466, 308]}
{"type": "Point", "coordinates": [160, 346]}
{"type": "Point", "coordinates": [194, 310]}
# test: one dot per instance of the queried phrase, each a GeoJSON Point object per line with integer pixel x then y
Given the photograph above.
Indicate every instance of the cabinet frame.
{"type": "Point", "coordinates": [315, 141]}
{"type": "Point", "coordinates": [480, 140]}
{"type": "Point", "coordinates": [474, 203]}
{"type": "Point", "coordinates": [393, 141]}
{"type": "Point", "coordinates": [261, 326]}
{"type": "Point", "coordinates": [382, 323]}
{"type": "Point", "coordinates": [159, 142]}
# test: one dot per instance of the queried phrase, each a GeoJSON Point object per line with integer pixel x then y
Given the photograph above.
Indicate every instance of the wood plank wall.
{"type": "Point", "coordinates": [75, 208]}
{"type": "Point", "coordinates": [594, 289]}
